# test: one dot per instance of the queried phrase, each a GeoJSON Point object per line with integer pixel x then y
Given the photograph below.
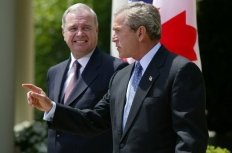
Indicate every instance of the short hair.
{"type": "Point", "coordinates": [142, 14]}
{"type": "Point", "coordinates": [75, 7]}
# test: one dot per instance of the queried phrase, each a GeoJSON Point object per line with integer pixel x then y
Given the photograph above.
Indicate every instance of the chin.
{"type": "Point", "coordinates": [122, 55]}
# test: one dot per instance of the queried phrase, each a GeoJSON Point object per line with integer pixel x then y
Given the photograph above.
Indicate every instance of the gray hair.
{"type": "Point", "coordinates": [75, 7]}
{"type": "Point", "coordinates": [142, 14]}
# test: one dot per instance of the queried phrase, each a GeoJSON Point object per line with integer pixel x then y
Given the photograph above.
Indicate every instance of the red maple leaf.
{"type": "Point", "coordinates": [179, 37]}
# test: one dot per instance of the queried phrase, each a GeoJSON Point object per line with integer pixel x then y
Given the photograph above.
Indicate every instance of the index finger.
{"type": "Point", "coordinates": [32, 87]}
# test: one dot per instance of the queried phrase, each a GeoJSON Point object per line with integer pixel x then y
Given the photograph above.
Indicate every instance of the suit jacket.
{"type": "Point", "coordinates": [90, 88]}
{"type": "Point", "coordinates": [167, 114]}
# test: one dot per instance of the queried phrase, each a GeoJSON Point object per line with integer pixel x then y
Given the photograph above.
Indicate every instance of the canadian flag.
{"type": "Point", "coordinates": [179, 26]}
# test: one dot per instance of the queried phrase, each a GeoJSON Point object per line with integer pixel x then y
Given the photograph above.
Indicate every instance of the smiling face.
{"type": "Point", "coordinates": [80, 32]}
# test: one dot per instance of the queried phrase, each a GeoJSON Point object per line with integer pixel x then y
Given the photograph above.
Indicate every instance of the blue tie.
{"type": "Point", "coordinates": [137, 76]}
{"type": "Point", "coordinates": [131, 91]}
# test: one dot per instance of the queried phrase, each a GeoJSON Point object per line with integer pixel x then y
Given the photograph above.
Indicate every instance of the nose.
{"type": "Point", "coordinates": [114, 38]}
{"type": "Point", "coordinates": [79, 32]}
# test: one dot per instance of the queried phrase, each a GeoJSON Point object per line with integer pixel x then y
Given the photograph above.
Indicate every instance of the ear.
{"type": "Point", "coordinates": [141, 32]}
{"type": "Point", "coordinates": [63, 34]}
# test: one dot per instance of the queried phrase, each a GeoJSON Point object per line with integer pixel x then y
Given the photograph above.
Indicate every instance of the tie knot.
{"type": "Point", "coordinates": [76, 65]}
{"type": "Point", "coordinates": [76, 68]}
{"type": "Point", "coordinates": [138, 68]}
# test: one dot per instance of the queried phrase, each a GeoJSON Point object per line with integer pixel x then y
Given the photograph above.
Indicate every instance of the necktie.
{"type": "Point", "coordinates": [137, 76]}
{"type": "Point", "coordinates": [76, 70]}
{"type": "Point", "coordinates": [131, 91]}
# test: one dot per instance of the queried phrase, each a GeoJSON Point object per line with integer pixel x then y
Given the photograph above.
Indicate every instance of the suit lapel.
{"type": "Point", "coordinates": [149, 78]}
{"type": "Point", "coordinates": [59, 81]}
{"type": "Point", "coordinates": [88, 76]}
{"type": "Point", "coordinates": [122, 98]}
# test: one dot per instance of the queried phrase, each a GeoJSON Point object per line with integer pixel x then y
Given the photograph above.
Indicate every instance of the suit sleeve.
{"type": "Point", "coordinates": [188, 109]}
{"type": "Point", "coordinates": [84, 122]}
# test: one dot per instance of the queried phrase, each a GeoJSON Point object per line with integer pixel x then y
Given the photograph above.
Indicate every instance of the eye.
{"type": "Point", "coordinates": [116, 30]}
{"type": "Point", "coordinates": [72, 29]}
{"type": "Point", "coordinates": [86, 28]}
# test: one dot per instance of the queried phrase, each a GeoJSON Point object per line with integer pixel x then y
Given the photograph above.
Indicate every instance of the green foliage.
{"type": "Point", "coordinates": [213, 149]}
{"type": "Point", "coordinates": [31, 138]}
{"type": "Point", "coordinates": [104, 18]}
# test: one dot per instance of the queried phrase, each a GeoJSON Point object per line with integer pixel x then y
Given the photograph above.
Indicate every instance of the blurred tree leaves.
{"type": "Point", "coordinates": [103, 11]}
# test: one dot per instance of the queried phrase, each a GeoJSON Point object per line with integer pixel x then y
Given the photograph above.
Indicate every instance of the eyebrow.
{"type": "Point", "coordinates": [116, 27]}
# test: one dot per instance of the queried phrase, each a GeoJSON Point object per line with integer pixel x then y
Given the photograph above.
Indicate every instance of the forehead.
{"type": "Point", "coordinates": [80, 17]}
{"type": "Point", "coordinates": [119, 20]}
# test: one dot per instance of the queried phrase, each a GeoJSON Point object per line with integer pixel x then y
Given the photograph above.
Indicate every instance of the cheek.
{"type": "Point", "coordinates": [123, 40]}
{"type": "Point", "coordinates": [131, 46]}
{"type": "Point", "coordinates": [93, 38]}
{"type": "Point", "coordinates": [66, 38]}
{"type": "Point", "coordinates": [127, 42]}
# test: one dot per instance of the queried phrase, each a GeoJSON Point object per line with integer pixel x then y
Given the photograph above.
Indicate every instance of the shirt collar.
{"type": "Point", "coordinates": [83, 60]}
{"type": "Point", "coordinates": [146, 59]}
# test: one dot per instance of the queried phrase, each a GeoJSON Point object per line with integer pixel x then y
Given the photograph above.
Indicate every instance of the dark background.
{"type": "Point", "coordinates": [214, 29]}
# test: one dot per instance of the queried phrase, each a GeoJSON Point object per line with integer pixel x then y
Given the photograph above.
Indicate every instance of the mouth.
{"type": "Point", "coordinates": [80, 42]}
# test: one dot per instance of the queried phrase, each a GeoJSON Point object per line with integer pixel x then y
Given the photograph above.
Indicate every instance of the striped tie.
{"type": "Point", "coordinates": [76, 68]}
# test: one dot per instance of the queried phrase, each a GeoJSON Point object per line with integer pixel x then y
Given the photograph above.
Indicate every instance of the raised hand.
{"type": "Point", "coordinates": [37, 98]}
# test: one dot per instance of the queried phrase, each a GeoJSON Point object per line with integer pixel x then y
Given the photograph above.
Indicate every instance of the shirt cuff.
{"type": "Point", "coordinates": [48, 116]}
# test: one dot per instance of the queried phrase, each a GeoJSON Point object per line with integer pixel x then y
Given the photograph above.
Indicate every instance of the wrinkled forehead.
{"type": "Point", "coordinates": [80, 14]}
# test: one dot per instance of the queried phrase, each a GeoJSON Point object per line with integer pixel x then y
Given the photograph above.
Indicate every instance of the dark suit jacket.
{"type": "Point", "coordinates": [91, 87]}
{"type": "Point", "coordinates": [167, 114]}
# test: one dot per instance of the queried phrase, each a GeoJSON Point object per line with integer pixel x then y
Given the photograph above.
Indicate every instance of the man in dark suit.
{"type": "Point", "coordinates": [80, 30]}
{"type": "Point", "coordinates": [156, 105]}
